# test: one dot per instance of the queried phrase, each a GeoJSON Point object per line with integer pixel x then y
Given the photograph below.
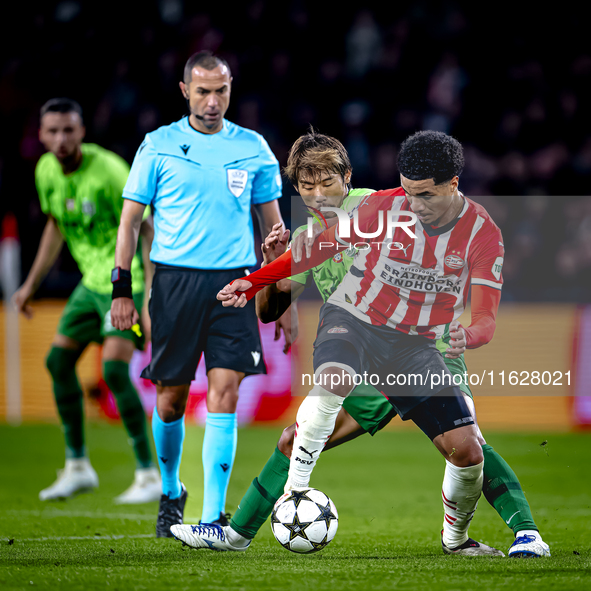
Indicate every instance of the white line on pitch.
{"type": "Point", "coordinates": [64, 538]}
{"type": "Point", "coordinates": [96, 515]}
{"type": "Point", "coordinates": [88, 514]}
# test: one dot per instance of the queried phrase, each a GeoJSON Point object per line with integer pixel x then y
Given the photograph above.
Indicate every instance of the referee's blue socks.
{"type": "Point", "coordinates": [219, 450]}
{"type": "Point", "coordinates": [168, 438]}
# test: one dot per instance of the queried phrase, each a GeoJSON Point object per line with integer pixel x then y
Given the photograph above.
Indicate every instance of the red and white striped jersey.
{"type": "Point", "coordinates": [419, 285]}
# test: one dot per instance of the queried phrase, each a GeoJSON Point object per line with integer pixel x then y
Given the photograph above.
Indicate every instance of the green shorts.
{"type": "Point", "coordinates": [87, 318]}
{"type": "Point", "coordinates": [369, 408]}
{"type": "Point", "coordinates": [372, 410]}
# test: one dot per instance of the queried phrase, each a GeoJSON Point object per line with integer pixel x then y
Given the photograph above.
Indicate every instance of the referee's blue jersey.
{"type": "Point", "coordinates": [201, 187]}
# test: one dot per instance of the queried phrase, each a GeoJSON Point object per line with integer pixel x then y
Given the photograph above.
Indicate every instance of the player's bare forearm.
{"type": "Point", "coordinates": [271, 303]}
{"type": "Point", "coordinates": [284, 286]}
{"type": "Point", "coordinates": [266, 304]}
{"type": "Point", "coordinates": [274, 300]}
{"type": "Point", "coordinates": [288, 323]}
{"type": "Point", "coordinates": [128, 233]}
{"type": "Point", "coordinates": [50, 246]}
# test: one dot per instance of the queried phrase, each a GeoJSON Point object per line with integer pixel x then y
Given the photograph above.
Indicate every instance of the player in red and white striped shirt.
{"type": "Point", "coordinates": [417, 286]}
{"type": "Point", "coordinates": [409, 280]}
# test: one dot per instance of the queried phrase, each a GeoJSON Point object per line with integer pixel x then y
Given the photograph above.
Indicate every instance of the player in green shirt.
{"type": "Point", "coordinates": [320, 170]}
{"type": "Point", "coordinates": [80, 187]}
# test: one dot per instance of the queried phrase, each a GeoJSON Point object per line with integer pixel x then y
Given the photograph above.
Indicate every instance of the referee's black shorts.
{"type": "Point", "coordinates": [187, 321]}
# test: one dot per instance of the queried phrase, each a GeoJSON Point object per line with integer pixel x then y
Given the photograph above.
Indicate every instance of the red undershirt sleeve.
{"type": "Point", "coordinates": [485, 304]}
{"type": "Point", "coordinates": [325, 247]}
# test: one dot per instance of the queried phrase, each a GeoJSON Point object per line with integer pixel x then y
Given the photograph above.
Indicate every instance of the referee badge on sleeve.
{"type": "Point", "coordinates": [237, 180]}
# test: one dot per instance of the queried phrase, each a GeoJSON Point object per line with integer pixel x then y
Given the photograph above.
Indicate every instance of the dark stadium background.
{"type": "Point", "coordinates": [511, 81]}
{"type": "Point", "coordinates": [511, 84]}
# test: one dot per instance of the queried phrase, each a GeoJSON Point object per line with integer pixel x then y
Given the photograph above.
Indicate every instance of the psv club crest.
{"type": "Point", "coordinates": [453, 261]}
{"type": "Point", "coordinates": [237, 180]}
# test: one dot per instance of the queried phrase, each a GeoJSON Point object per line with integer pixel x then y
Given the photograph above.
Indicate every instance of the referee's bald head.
{"type": "Point", "coordinates": [206, 60]}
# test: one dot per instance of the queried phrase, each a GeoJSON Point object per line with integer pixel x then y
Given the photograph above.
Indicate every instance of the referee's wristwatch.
{"type": "Point", "coordinates": [121, 280]}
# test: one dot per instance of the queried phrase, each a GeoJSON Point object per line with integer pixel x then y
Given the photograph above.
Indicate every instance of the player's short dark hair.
{"type": "Point", "coordinates": [315, 153]}
{"type": "Point", "coordinates": [203, 59]}
{"type": "Point", "coordinates": [60, 105]}
{"type": "Point", "coordinates": [431, 155]}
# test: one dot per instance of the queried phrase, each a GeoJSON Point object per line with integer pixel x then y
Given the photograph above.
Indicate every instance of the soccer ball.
{"type": "Point", "coordinates": [304, 520]}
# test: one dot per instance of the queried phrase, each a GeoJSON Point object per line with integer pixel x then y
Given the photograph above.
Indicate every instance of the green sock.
{"type": "Point", "coordinates": [503, 491]}
{"type": "Point", "coordinates": [116, 375]}
{"type": "Point", "coordinates": [256, 505]}
{"type": "Point", "coordinates": [61, 364]}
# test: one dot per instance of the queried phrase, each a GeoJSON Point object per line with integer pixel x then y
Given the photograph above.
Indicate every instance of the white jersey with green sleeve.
{"type": "Point", "coordinates": [329, 274]}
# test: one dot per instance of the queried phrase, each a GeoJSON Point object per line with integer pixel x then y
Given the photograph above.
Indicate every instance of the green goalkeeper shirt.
{"type": "Point", "coordinates": [87, 205]}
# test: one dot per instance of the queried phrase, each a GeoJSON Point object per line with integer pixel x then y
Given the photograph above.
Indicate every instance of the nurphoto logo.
{"type": "Point", "coordinates": [390, 220]}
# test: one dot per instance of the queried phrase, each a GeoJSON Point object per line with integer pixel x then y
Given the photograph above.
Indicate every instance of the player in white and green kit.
{"type": "Point", "coordinates": [80, 187]}
{"type": "Point", "coordinates": [319, 168]}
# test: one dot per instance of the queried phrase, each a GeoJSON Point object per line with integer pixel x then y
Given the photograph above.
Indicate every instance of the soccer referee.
{"type": "Point", "coordinates": [201, 175]}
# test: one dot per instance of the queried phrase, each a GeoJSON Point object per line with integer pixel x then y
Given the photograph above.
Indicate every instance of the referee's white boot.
{"type": "Point", "coordinates": [78, 476]}
{"type": "Point", "coordinates": [146, 488]}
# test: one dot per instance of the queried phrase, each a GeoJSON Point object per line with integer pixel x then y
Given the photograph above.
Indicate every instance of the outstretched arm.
{"type": "Point", "coordinates": [325, 246]}
{"type": "Point", "coordinates": [239, 292]}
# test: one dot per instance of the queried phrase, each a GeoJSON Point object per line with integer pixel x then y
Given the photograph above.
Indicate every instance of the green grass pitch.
{"type": "Point", "coordinates": [386, 489]}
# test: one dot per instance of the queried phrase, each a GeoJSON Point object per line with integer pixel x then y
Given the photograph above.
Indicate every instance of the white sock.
{"type": "Point", "coordinates": [235, 538]}
{"type": "Point", "coordinates": [460, 493]}
{"type": "Point", "coordinates": [528, 532]}
{"type": "Point", "coordinates": [77, 463]}
{"type": "Point", "coordinates": [314, 425]}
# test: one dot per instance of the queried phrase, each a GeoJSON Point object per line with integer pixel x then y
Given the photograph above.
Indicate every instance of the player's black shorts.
{"type": "Point", "coordinates": [187, 321]}
{"type": "Point", "coordinates": [400, 366]}
{"type": "Point", "coordinates": [440, 414]}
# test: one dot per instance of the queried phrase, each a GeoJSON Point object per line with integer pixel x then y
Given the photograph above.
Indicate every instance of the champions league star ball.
{"type": "Point", "coordinates": [304, 521]}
